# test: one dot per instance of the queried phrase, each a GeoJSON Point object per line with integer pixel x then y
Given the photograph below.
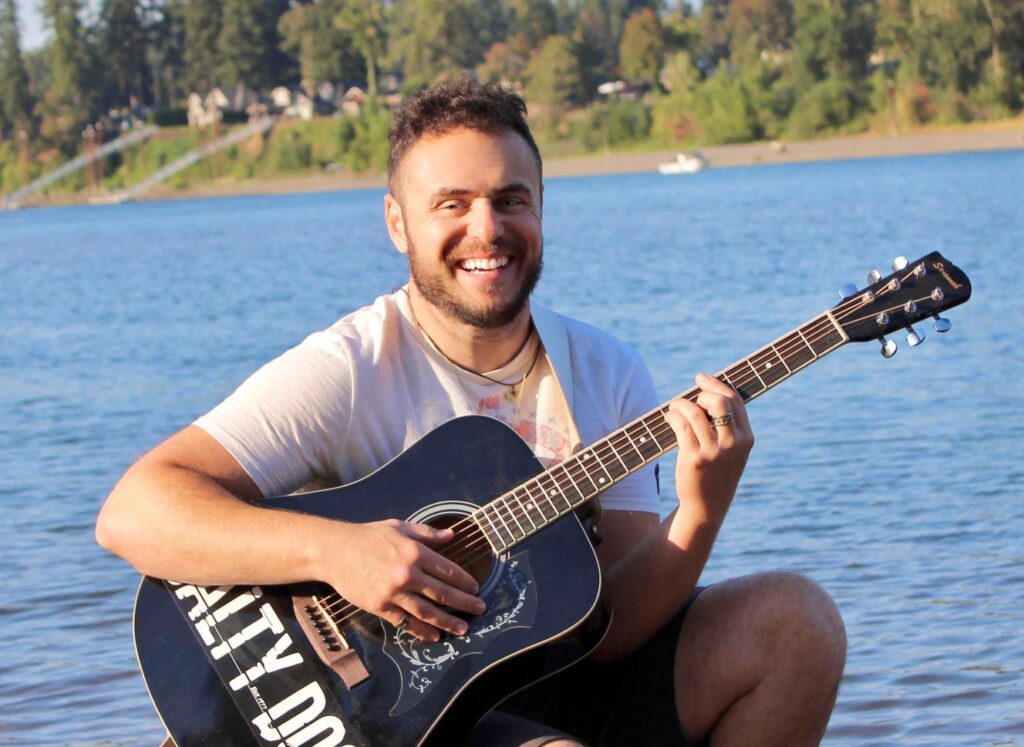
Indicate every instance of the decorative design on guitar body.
{"type": "Point", "coordinates": [512, 603]}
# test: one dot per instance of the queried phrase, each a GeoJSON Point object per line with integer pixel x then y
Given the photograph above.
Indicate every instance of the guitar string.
{"type": "Point", "coordinates": [458, 549]}
{"type": "Point", "coordinates": [813, 329]}
{"type": "Point", "coordinates": [663, 430]}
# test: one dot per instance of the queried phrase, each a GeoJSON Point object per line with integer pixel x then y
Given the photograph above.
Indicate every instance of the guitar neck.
{"type": "Point", "coordinates": [529, 508]}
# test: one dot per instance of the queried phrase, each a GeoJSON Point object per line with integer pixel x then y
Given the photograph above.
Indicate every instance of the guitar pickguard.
{"type": "Point", "coordinates": [511, 603]}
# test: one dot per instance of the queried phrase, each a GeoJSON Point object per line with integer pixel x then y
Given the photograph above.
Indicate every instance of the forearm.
{"type": "Point", "coordinates": [172, 522]}
{"type": "Point", "coordinates": [651, 583]}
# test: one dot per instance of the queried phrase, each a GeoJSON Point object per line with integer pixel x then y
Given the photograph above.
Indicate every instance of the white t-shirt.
{"type": "Point", "coordinates": [350, 398]}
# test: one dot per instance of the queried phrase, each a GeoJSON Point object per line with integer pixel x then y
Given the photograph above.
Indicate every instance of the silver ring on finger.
{"type": "Point", "coordinates": [401, 623]}
{"type": "Point", "coordinates": [720, 421]}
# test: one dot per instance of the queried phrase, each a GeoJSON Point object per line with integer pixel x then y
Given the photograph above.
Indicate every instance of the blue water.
{"type": "Point", "coordinates": [896, 484]}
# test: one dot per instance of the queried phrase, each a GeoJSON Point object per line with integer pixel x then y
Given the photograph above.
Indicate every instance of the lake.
{"type": "Point", "coordinates": [896, 484]}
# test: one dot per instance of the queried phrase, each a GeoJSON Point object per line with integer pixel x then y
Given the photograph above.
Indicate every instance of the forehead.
{"type": "Point", "coordinates": [467, 159]}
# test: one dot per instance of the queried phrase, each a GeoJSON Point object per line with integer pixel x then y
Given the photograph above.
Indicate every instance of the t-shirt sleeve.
{"type": "Point", "coordinates": [639, 491]}
{"type": "Point", "coordinates": [287, 420]}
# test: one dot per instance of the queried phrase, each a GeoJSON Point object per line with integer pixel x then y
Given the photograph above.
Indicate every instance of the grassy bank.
{"type": "Point", "coordinates": [332, 153]}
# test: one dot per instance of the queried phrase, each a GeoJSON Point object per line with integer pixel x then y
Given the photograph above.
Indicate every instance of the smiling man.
{"type": "Point", "coordinates": [755, 660]}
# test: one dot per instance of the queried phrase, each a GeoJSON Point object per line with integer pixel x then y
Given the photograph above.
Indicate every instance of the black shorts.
{"type": "Point", "coordinates": [624, 703]}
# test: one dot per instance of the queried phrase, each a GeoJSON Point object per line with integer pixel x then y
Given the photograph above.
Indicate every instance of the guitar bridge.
{"type": "Point", "coordinates": [328, 641]}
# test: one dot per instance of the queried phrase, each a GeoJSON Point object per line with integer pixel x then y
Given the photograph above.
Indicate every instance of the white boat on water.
{"type": "Point", "coordinates": [685, 163]}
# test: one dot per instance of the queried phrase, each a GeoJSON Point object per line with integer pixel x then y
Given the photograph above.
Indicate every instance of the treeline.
{"type": "Point", "coordinates": [713, 71]}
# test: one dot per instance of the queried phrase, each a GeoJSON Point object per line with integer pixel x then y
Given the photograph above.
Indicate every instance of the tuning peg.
{"type": "Point", "coordinates": [847, 290]}
{"type": "Point", "coordinates": [874, 276]}
{"type": "Point", "coordinates": [914, 338]}
{"type": "Point", "coordinates": [941, 324]}
{"type": "Point", "coordinates": [899, 263]}
{"type": "Point", "coordinates": [889, 348]}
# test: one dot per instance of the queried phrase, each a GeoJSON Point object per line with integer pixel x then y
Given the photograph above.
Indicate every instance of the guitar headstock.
{"type": "Point", "coordinates": [914, 291]}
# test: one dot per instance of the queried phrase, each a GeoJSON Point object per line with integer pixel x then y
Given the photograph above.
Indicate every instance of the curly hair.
{"type": "Point", "coordinates": [489, 108]}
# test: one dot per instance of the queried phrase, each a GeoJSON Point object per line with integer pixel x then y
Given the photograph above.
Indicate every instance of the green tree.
{"type": "Point", "coordinates": [553, 78]}
{"type": "Point", "coordinates": [501, 64]}
{"type": "Point", "coordinates": [832, 42]}
{"type": "Point", "coordinates": [435, 37]}
{"type": "Point", "coordinates": [642, 51]}
{"type": "Point", "coordinates": [68, 102]}
{"type": "Point", "coordinates": [364, 23]}
{"type": "Point", "coordinates": [165, 51]}
{"type": "Point", "coordinates": [202, 29]}
{"type": "Point", "coordinates": [533, 21]}
{"type": "Point", "coordinates": [323, 51]}
{"type": "Point", "coordinates": [15, 102]}
{"type": "Point", "coordinates": [122, 48]}
{"type": "Point", "coordinates": [244, 49]}
{"type": "Point", "coordinates": [757, 28]}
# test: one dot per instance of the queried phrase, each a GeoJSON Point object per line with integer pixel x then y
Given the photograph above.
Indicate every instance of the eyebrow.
{"type": "Point", "coordinates": [514, 187]}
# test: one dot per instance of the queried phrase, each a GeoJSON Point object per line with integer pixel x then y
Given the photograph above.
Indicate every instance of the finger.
{"type": "Point", "coordinates": [449, 596]}
{"type": "Point", "coordinates": [739, 410]}
{"type": "Point", "coordinates": [404, 621]}
{"type": "Point", "coordinates": [694, 421]}
{"type": "Point", "coordinates": [426, 617]}
{"type": "Point", "coordinates": [427, 534]}
{"type": "Point", "coordinates": [447, 571]}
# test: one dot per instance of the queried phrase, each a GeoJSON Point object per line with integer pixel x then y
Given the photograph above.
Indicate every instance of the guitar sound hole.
{"type": "Point", "coordinates": [469, 549]}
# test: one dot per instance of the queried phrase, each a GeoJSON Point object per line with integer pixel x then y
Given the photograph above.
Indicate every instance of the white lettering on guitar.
{"type": "Point", "coordinates": [206, 599]}
{"type": "Point", "coordinates": [306, 724]}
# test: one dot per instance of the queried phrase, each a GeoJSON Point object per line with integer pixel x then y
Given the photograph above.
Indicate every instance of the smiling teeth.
{"type": "Point", "coordinates": [492, 263]}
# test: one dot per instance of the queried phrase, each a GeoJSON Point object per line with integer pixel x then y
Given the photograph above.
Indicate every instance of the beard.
{"type": "Point", "coordinates": [437, 286]}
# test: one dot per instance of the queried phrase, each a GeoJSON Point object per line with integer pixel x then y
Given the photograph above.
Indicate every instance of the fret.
{"type": "Point", "coordinates": [770, 374]}
{"type": "Point", "coordinates": [540, 506]}
{"type": "Point", "coordinates": [504, 542]}
{"type": "Point", "coordinates": [643, 459]}
{"type": "Point", "coordinates": [582, 457]}
{"type": "Point", "coordinates": [615, 451]}
{"type": "Point", "coordinates": [657, 441]}
{"type": "Point", "coordinates": [751, 365]}
{"type": "Point", "coordinates": [747, 389]}
{"type": "Point", "coordinates": [647, 441]}
{"type": "Point", "coordinates": [576, 487]}
{"type": "Point", "coordinates": [527, 508]}
{"type": "Point", "coordinates": [554, 492]}
{"type": "Point", "coordinates": [602, 482]}
{"type": "Point", "coordinates": [545, 497]}
{"type": "Point", "coordinates": [781, 359]}
{"type": "Point", "coordinates": [512, 512]}
{"type": "Point", "coordinates": [809, 346]}
{"type": "Point", "coordinates": [497, 513]}
{"type": "Point", "coordinates": [487, 535]}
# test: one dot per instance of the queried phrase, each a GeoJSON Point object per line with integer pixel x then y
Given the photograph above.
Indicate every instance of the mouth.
{"type": "Point", "coordinates": [483, 264]}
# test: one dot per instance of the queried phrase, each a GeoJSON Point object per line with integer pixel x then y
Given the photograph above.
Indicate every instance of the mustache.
{"type": "Point", "coordinates": [466, 248]}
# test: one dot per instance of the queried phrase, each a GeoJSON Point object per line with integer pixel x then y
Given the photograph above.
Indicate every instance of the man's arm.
{"type": "Point", "coordinates": [651, 569]}
{"type": "Point", "coordinates": [184, 511]}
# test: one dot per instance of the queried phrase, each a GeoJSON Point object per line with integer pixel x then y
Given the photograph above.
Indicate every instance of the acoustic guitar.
{"type": "Point", "coordinates": [298, 665]}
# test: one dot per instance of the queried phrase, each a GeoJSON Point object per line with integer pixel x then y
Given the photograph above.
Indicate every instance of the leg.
{"type": "Point", "coordinates": [759, 661]}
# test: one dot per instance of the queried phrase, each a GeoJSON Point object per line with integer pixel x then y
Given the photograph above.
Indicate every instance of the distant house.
{"type": "Point", "coordinates": [353, 100]}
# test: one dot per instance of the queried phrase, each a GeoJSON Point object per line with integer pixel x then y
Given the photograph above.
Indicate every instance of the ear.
{"type": "Point", "coordinates": [395, 222]}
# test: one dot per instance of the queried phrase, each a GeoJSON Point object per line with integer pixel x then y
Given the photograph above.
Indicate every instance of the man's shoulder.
{"type": "Point", "coordinates": [365, 326]}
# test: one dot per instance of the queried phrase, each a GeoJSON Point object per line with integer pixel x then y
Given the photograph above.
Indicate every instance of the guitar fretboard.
{"type": "Point", "coordinates": [529, 508]}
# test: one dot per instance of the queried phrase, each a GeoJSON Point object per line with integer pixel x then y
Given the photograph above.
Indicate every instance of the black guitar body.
{"type": "Point", "coordinates": [235, 665]}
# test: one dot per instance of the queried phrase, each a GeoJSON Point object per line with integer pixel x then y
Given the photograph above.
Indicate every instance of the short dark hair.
{"type": "Point", "coordinates": [490, 108]}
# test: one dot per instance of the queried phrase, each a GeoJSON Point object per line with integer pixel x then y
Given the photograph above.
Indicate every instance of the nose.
{"type": "Point", "coordinates": [485, 223]}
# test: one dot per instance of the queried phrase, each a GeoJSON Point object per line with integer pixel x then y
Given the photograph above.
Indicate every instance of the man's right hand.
{"type": "Point", "coordinates": [392, 569]}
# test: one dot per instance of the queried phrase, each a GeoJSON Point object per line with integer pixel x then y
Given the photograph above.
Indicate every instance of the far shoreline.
{"type": "Point", "coordinates": [1005, 135]}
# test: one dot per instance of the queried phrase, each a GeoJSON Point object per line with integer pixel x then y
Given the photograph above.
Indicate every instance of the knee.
{"type": "Point", "coordinates": [803, 622]}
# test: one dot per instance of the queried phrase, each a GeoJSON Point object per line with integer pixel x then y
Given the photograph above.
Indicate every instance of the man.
{"type": "Point", "coordinates": [755, 660]}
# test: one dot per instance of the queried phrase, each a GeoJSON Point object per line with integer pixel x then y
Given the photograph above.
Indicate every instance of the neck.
{"type": "Point", "coordinates": [475, 348]}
